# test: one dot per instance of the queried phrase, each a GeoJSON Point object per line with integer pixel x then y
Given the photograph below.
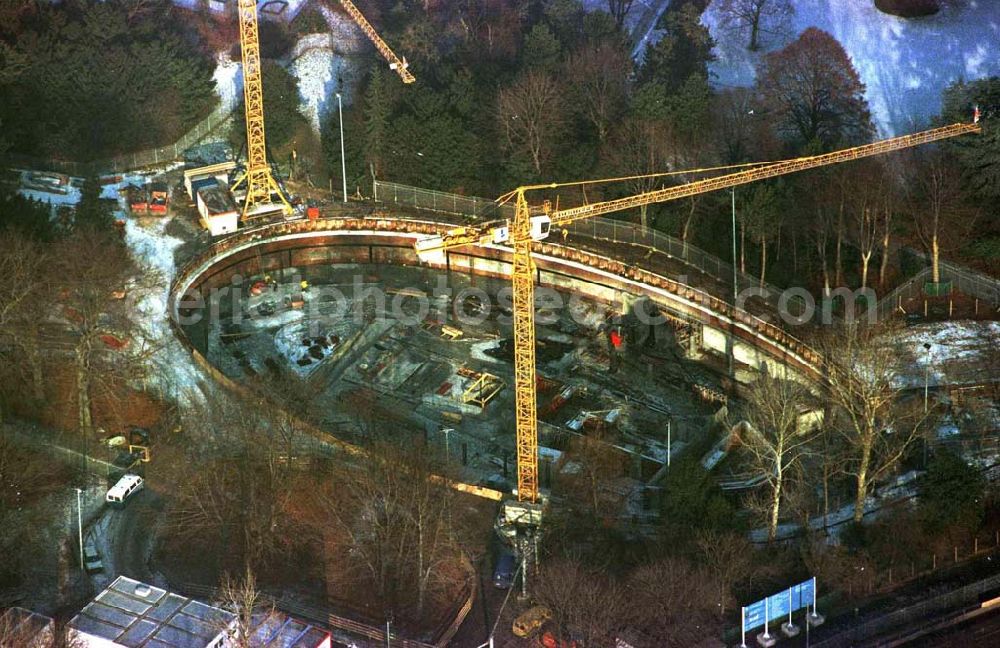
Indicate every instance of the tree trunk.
{"type": "Point", "coordinates": [37, 377]}
{"type": "Point", "coordinates": [838, 269]}
{"type": "Point", "coordinates": [772, 526]}
{"type": "Point", "coordinates": [754, 33]}
{"type": "Point", "coordinates": [763, 261]}
{"type": "Point", "coordinates": [884, 267]}
{"type": "Point", "coordinates": [795, 254]}
{"type": "Point", "coordinates": [862, 492]}
{"type": "Point", "coordinates": [643, 219]}
{"type": "Point", "coordinates": [743, 249]}
{"type": "Point", "coordinates": [85, 419]}
{"type": "Point", "coordinates": [865, 259]}
{"type": "Point", "coordinates": [935, 259]}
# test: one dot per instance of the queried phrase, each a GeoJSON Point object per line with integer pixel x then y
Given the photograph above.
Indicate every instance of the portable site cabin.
{"type": "Point", "coordinates": [127, 486]}
{"type": "Point", "coordinates": [217, 172]}
{"type": "Point", "coordinates": [219, 213]}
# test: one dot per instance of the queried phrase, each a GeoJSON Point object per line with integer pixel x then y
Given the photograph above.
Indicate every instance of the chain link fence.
{"type": "Point", "coordinates": [601, 229]}
{"type": "Point", "coordinates": [915, 616]}
{"type": "Point", "coordinates": [219, 117]}
{"type": "Point", "coordinates": [966, 281]}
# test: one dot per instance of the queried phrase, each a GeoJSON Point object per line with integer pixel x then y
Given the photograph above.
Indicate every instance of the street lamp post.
{"type": "Point", "coordinates": [79, 523]}
{"type": "Point", "coordinates": [927, 374]}
{"type": "Point", "coordinates": [343, 161]}
{"type": "Point", "coordinates": [447, 446]}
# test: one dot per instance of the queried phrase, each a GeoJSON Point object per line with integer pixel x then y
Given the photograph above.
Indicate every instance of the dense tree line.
{"type": "Point", "coordinates": [511, 93]}
{"type": "Point", "coordinates": [84, 79]}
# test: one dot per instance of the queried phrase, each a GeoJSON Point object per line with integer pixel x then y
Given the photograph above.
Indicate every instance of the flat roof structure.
{"type": "Point", "coordinates": [280, 631]}
{"type": "Point", "coordinates": [28, 629]}
{"type": "Point", "coordinates": [132, 614]}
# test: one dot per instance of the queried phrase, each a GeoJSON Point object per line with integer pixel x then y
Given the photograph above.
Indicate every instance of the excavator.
{"type": "Point", "coordinates": [532, 223]}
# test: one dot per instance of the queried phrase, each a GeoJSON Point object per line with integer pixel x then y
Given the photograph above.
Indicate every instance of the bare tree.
{"type": "Point", "coordinates": [619, 10]}
{"type": "Point", "coordinates": [729, 558]}
{"type": "Point", "coordinates": [394, 523]}
{"type": "Point", "coordinates": [867, 205]}
{"type": "Point", "coordinates": [813, 94]}
{"type": "Point", "coordinates": [236, 482]}
{"type": "Point", "coordinates": [640, 147]}
{"type": "Point", "coordinates": [674, 604]}
{"type": "Point", "coordinates": [92, 270]}
{"type": "Point", "coordinates": [23, 297]}
{"type": "Point", "coordinates": [756, 17]}
{"type": "Point", "coordinates": [598, 75]}
{"type": "Point", "coordinates": [586, 604]}
{"type": "Point", "coordinates": [942, 216]}
{"type": "Point", "coordinates": [775, 440]}
{"type": "Point", "coordinates": [866, 391]}
{"type": "Point", "coordinates": [600, 465]}
{"type": "Point", "coordinates": [532, 116]}
{"type": "Point", "coordinates": [251, 607]}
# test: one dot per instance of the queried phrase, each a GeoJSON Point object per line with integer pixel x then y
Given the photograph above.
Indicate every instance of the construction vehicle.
{"type": "Point", "coordinates": [159, 197]}
{"type": "Point", "coordinates": [533, 223]}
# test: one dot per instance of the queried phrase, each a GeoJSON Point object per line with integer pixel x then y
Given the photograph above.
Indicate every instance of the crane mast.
{"type": "Point", "coordinates": [261, 187]}
{"type": "Point", "coordinates": [395, 63]}
{"type": "Point", "coordinates": [531, 224]}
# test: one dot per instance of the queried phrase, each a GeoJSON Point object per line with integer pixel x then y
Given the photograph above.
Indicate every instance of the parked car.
{"type": "Point", "coordinates": [92, 560]}
{"type": "Point", "coordinates": [506, 568]}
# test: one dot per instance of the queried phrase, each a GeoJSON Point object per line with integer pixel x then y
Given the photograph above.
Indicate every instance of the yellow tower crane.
{"type": "Point", "coordinates": [261, 187]}
{"type": "Point", "coordinates": [533, 224]}
{"type": "Point", "coordinates": [395, 63]}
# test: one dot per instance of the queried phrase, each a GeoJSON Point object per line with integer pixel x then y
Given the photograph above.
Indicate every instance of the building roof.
{"type": "Point", "coordinates": [280, 631]}
{"type": "Point", "coordinates": [28, 628]}
{"type": "Point", "coordinates": [135, 615]}
{"type": "Point", "coordinates": [216, 200]}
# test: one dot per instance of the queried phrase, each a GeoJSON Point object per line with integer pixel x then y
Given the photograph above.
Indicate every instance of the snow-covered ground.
{"type": "Point", "coordinates": [172, 371]}
{"type": "Point", "coordinates": [904, 63]}
{"type": "Point", "coordinates": [959, 352]}
{"type": "Point", "coordinates": [228, 80]}
{"type": "Point", "coordinates": [321, 73]}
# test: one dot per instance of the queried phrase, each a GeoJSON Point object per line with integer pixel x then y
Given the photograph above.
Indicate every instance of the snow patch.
{"type": "Point", "coordinates": [173, 370]}
{"type": "Point", "coordinates": [228, 80]}
{"type": "Point", "coordinates": [905, 64]}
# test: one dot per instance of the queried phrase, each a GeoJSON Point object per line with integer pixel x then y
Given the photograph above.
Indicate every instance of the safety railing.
{"type": "Point", "coordinates": [602, 229]}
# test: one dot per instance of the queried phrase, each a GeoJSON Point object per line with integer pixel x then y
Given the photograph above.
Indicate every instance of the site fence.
{"type": "Point", "coordinates": [920, 615]}
{"type": "Point", "coordinates": [130, 161]}
{"type": "Point", "coordinates": [968, 282]}
{"type": "Point", "coordinates": [598, 229]}
{"type": "Point", "coordinates": [316, 615]}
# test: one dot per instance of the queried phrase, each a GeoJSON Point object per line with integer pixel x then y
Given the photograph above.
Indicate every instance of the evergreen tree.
{"type": "Point", "coordinates": [978, 154]}
{"type": "Point", "coordinates": [684, 50]}
{"type": "Point", "coordinates": [377, 110]}
{"type": "Point", "coordinates": [541, 50]}
{"type": "Point", "coordinates": [91, 211]}
{"type": "Point", "coordinates": [281, 111]}
{"type": "Point", "coordinates": [951, 493]}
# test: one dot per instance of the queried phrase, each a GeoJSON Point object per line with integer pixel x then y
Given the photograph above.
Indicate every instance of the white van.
{"type": "Point", "coordinates": [120, 492]}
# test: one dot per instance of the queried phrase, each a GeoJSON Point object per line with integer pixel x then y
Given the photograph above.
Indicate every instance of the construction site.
{"type": "Point", "coordinates": [535, 342]}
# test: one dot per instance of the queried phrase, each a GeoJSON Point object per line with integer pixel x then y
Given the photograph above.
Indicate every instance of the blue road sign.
{"type": "Point", "coordinates": [778, 605]}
